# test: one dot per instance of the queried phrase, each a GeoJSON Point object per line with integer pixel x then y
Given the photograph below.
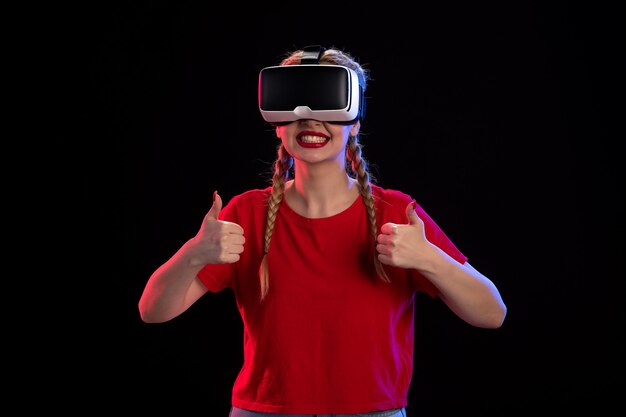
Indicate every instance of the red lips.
{"type": "Point", "coordinates": [312, 139]}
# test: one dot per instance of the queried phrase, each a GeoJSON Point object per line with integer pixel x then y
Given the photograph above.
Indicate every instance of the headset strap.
{"type": "Point", "coordinates": [312, 54]}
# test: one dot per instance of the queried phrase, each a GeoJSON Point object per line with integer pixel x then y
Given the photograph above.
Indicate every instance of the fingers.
{"type": "Point", "coordinates": [223, 241]}
{"type": "Point", "coordinates": [230, 247]}
{"type": "Point", "coordinates": [397, 244]}
{"type": "Point", "coordinates": [384, 239]}
{"type": "Point", "coordinates": [213, 215]}
{"type": "Point", "coordinates": [233, 240]}
{"type": "Point", "coordinates": [413, 219]}
{"type": "Point", "coordinates": [411, 214]}
{"type": "Point", "coordinates": [387, 260]}
{"type": "Point", "coordinates": [215, 208]}
{"type": "Point", "coordinates": [388, 228]}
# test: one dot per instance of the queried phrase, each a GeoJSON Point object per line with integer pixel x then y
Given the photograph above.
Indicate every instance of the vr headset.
{"type": "Point", "coordinates": [329, 93]}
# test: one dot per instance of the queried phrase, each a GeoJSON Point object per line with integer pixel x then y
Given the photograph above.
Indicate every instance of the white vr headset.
{"type": "Point", "coordinates": [311, 90]}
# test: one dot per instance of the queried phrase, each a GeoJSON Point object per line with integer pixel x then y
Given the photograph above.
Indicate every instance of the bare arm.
{"type": "Point", "coordinates": [467, 292]}
{"type": "Point", "coordinates": [174, 286]}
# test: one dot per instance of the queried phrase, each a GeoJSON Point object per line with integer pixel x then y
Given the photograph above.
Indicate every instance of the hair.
{"type": "Point", "coordinates": [356, 166]}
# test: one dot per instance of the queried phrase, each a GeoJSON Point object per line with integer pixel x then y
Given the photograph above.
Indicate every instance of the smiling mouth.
{"type": "Point", "coordinates": [312, 141]}
{"type": "Point", "coordinates": [308, 140]}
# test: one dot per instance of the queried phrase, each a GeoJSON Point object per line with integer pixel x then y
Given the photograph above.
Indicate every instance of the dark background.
{"type": "Point", "coordinates": [502, 120]}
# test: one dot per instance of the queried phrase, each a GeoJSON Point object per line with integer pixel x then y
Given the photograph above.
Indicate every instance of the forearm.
{"type": "Point", "coordinates": [467, 292]}
{"type": "Point", "coordinates": [172, 288]}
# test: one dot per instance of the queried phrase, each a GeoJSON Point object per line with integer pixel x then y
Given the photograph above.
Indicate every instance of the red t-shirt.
{"type": "Point", "coordinates": [330, 337]}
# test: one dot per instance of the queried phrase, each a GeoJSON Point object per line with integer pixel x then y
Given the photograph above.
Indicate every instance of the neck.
{"type": "Point", "coordinates": [316, 193]}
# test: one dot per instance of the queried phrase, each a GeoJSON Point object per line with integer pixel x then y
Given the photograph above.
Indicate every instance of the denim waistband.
{"type": "Point", "coordinates": [239, 412]}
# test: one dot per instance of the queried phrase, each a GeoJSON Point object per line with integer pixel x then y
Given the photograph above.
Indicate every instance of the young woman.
{"type": "Point", "coordinates": [324, 266]}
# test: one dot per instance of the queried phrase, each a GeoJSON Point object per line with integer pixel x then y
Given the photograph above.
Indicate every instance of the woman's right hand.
{"type": "Point", "coordinates": [217, 241]}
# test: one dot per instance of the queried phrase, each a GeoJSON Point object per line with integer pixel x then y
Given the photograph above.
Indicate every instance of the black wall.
{"type": "Point", "coordinates": [501, 119]}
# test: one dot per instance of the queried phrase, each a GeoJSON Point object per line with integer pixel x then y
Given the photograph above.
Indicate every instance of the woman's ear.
{"type": "Point", "coordinates": [277, 135]}
{"type": "Point", "coordinates": [354, 130]}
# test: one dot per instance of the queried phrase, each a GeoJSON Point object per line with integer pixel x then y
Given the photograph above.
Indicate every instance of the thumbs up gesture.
{"type": "Point", "coordinates": [219, 241]}
{"type": "Point", "coordinates": [401, 244]}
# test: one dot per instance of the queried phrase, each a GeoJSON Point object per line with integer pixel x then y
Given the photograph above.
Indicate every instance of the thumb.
{"type": "Point", "coordinates": [215, 208]}
{"type": "Point", "coordinates": [411, 214]}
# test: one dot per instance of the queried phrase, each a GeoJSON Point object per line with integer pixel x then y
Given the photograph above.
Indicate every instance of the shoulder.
{"type": "Point", "coordinates": [246, 203]}
{"type": "Point", "coordinates": [251, 196]}
{"type": "Point", "coordinates": [392, 204]}
{"type": "Point", "coordinates": [391, 198]}
{"type": "Point", "coordinates": [388, 197]}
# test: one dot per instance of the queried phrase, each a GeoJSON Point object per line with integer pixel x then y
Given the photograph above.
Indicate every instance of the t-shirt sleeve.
{"type": "Point", "coordinates": [437, 237]}
{"type": "Point", "coordinates": [392, 204]}
{"type": "Point", "coordinates": [216, 277]}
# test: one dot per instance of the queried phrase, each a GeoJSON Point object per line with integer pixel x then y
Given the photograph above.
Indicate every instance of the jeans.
{"type": "Point", "coordinates": [238, 412]}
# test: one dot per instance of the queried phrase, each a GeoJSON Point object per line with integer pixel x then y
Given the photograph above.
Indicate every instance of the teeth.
{"type": "Point", "coordinates": [312, 139]}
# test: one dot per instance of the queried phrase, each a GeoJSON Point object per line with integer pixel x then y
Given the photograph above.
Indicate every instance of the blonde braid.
{"type": "Point", "coordinates": [359, 168]}
{"type": "Point", "coordinates": [282, 167]}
